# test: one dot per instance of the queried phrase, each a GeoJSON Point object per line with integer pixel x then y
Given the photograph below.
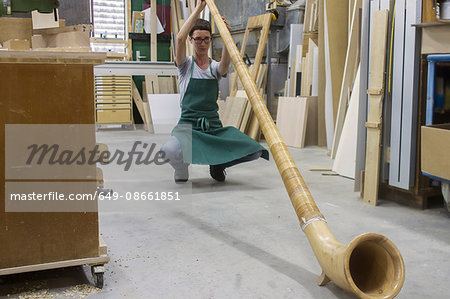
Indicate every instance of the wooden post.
{"type": "Point", "coordinates": [153, 34]}
{"type": "Point", "coordinates": [129, 50]}
{"type": "Point", "coordinates": [376, 93]}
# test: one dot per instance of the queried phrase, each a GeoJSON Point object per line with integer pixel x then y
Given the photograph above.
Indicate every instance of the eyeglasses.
{"type": "Point", "coordinates": [199, 40]}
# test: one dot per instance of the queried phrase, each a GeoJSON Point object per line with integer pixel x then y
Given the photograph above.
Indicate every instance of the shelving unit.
{"type": "Point", "coordinates": [113, 100]}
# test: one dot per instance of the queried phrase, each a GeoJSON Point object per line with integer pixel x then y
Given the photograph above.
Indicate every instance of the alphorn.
{"type": "Point", "coordinates": [371, 266]}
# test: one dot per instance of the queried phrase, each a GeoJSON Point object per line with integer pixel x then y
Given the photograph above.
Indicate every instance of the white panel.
{"type": "Point", "coordinates": [345, 161]}
{"type": "Point", "coordinates": [315, 77]}
{"type": "Point", "coordinates": [375, 6]}
{"type": "Point", "coordinates": [329, 116]}
{"type": "Point", "coordinates": [404, 97]}
{"type": "Point", "coordinates": [44, 20]}
{"type": "Point", "coordinates": [397, 93]}
{"type": "Point", "coordinates": [385, 4]}
{"type": "Point", "coordinates": [165, 110]}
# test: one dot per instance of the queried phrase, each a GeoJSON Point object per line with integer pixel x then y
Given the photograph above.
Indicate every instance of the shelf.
{"type": "Point", "coordinates": [432, 24]}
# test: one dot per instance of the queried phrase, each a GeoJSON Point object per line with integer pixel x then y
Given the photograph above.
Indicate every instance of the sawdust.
{"type": "Point", "coordinates": [78, 291]}
{"type": "Point", "coordinates": [33, 294]}
{"type": "Point", "coordinates": [81, 291]}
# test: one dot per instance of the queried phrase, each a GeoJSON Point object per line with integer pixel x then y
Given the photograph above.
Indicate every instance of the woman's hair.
{"type": "Point", "coordinates": [200, 24]}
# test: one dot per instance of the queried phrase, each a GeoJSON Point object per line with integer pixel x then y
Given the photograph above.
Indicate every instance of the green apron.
{"type": "Point", "coordinates": [200, 132]}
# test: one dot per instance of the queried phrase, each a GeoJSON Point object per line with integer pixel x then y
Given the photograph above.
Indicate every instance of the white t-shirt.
{"type": "Point", "coordinates": [184, 74]}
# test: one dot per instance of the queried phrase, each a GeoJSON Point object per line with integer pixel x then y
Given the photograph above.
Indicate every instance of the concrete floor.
{"type": "Point", "coordinates": [241, 238]}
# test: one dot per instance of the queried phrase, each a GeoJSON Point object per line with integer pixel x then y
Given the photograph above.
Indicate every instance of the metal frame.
{"type": "Point", "coordinates": [432, 59]}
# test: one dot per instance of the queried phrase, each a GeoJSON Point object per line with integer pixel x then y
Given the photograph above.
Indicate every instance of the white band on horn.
{"type": "Point", "coordinates": [311, 221]}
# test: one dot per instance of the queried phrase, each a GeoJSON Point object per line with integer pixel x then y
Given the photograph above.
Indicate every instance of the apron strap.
{"type": "Point", "coordinates": [192, 67]}
{"type": "Point", "coordinates": [210, 69]}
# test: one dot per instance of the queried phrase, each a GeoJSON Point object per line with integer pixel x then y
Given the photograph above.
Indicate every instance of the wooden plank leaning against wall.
{"type": "Point", "coordinates": [376, 94]}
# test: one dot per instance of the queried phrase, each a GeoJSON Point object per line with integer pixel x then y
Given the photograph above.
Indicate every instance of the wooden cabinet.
{"type": "Point", "coordinates": [47, 88]}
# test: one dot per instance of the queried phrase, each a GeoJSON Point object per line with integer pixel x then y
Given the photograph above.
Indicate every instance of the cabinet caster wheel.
{"type": "Point", "coordinates": [98, 280]}
{"type": "Point", "coordinates": [97, 276]}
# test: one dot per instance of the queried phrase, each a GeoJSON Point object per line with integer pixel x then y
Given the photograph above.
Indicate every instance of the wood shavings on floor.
{"type": "Point", "coordinates": [81, 291]}
{"type": "Point", "coordinates": [40, 294]}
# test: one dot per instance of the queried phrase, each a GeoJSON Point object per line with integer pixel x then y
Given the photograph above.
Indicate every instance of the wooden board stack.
{"type": "Point", "coordinates": [297, 117]}
{"type": "Point", "coordinates": [247, 123]}
{"type": "Point", "coordinates": [307, 59]}
{"type": "Point", "coordinates": [349, 74]}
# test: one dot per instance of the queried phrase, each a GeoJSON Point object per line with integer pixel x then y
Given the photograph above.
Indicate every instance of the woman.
{"type": "Point", "coordinates": [199, 137]}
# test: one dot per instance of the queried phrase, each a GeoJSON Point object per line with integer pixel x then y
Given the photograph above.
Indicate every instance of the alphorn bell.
{"type": "Point", "coordinates": [371, 266]}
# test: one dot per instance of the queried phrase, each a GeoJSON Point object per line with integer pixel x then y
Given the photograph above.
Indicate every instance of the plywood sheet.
{"type": "Point", "coordinates": [138, 101]}
{"type": "Point", "coordinates": [322, 137]}
{"type": "Point", "coordinates": [15, 28]}
{"type": "Point", "coordinates": [246, 118]}
{"type": "Point", "coordinates": [152, 84]}
{"type": "Point", "coordinates": [166, 85]}
{"type": "Point", "coordinates": [234, 112]}
{"type": "Point", "coordinates": [345, 161]}
{"type": "Point", "coordinates": [71, 39]}
{"type": "Point", "coordinates": [329, 115]}
{"type": "Point", "coordinates": [311, 137]}
{"type": "Point", "coordinates": [337, 26]}
{"type": "Point", "coordinates": [148, 122]}
{"type": "Point", "coordinates": [351, 59]}
{"type": "Point", "coordinates": [222, 108]}
{"type": "Point", "coordinates": [291, 120]}
{"type": "Point", "coordinates": [435, 40]}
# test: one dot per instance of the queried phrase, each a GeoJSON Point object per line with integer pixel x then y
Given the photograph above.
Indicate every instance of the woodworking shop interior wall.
{"type": "Point", "coordinates": [74, 12]}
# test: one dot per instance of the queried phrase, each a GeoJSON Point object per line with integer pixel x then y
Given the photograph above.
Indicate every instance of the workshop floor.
{"type": "Point", "coordinates": [238, 239]}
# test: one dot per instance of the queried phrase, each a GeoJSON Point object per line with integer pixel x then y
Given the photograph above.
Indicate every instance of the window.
{"type": "Point", "coordinates": [109, 26]}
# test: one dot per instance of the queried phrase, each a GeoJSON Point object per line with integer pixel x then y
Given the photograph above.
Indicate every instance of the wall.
{"type": "Point", "coordinates": [74, 12]}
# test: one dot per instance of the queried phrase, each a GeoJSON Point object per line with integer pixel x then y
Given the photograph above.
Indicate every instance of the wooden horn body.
{"type": "Point", "coordinates": [371, 266]}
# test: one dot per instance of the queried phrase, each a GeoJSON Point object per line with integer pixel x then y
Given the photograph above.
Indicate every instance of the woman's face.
{"type": "Point", "coordinates": [201, 40]}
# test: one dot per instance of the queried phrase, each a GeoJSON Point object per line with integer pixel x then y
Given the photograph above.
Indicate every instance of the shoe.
{"type": "Point", "coordinates": [217, 172]}
{"type": "Point", "coordinates": [181, 176]}
{"type": "Point", "coordinates": [180, 181]}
